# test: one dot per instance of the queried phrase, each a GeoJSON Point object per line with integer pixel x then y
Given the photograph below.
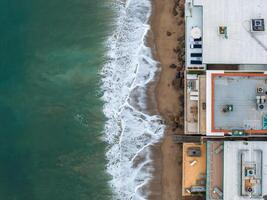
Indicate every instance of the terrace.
{"type": "Point", "coordinates": [194, 168]}
{"type": "Point", "coordinates": [238, 102]}
{"type": "Point", "coordinates": [214, 170]}
{"type": "Point", "coordinates": [194, 13]}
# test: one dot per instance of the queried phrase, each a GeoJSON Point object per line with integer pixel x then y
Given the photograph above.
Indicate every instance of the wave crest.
{"type": "Point", "coordinates": [129, 131]}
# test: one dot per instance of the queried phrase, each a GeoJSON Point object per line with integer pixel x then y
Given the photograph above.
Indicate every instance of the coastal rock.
{"type": "Point", "coordinates": [180, 22]}
{"type": "Point", "coordinates": [174, 11]}
{"type": "Point", "coordinates": [176, 50]}
{"type": "Point", "coordinates": [173, 66]}
{"type": "Point", "coordinates": [168, 33]}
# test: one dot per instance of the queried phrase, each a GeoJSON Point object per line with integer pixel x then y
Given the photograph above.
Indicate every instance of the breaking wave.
{"type": "Point", "coordinates": [129, 131]}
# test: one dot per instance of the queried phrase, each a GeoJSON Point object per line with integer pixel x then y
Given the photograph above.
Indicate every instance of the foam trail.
{"type": "Point", "coordinates": [128, 130]}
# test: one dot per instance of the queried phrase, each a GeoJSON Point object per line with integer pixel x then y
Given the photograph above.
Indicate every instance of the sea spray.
{"type": "Point", "coordinates": [129, 131]}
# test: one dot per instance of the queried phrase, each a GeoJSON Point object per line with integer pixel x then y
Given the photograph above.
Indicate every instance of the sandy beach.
{"type": "Point", "coordinates": [166, 39]}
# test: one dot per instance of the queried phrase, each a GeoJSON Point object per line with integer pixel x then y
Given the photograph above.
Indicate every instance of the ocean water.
{"type": "Point", "coordinates": [73, 120]}
{"type": "Point", "coordinates": [51, 119]}
{"type": "Point", "coordinates": [129, 130]}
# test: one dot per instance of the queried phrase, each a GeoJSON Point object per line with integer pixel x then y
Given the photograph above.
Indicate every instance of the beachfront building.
{"type": "Point", "coordinates": [226, 49]}
{"type": "Point", "coordinates": [226, 99]}
{"type": "Point", "coordinates": [236, 102]}
{"type": "Point", "coordinates": [223, 32]}
{"type": "Point", "coordinates": [225, 170]}
{"type": "Point", "coordinates": [236, 170]}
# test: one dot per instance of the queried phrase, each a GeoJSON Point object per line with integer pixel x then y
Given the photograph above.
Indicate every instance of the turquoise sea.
{"type": "Point", "coordinates": [51, 120]}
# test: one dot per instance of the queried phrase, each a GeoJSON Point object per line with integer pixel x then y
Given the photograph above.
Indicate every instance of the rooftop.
{"type": "Point", "coordinates": [214, 170]}
{"type": "Point", "coordinates": [235, 104]}
{"type": "Point", "coordinates": [193, 45]}
{"type": "Point", "coordinates": [195, 104]}
{"type": "Point", "coordinates": [245, 170]}
{"type": "Point", "coordinates": [194, 168]}
{"type": "Point", "coordinates": [238, 44]}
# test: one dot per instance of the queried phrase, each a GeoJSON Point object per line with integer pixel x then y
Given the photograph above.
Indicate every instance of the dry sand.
{"type": "Point", "coordinates": [167, 42]}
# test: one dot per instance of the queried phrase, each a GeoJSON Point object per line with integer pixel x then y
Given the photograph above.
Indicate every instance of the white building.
{"type": "Point", "coordinates": [232, 32]}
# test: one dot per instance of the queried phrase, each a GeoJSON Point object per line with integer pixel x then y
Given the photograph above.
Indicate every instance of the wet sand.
{"type": "Point", "coordinates": [166, 39]}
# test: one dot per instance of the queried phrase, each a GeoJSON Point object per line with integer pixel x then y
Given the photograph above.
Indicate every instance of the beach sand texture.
{"type": "Point", "coordinates": [166, 39]}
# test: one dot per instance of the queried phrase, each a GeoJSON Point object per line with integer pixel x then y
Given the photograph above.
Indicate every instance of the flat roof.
{"type": "Point", "coordinates": [193, 19]}
{"type": "Point", "coordinates": [194, 168]}
{"type": "Point", "coordinates": [237, 154]}
{"type": "Point", "coordinates": [191, 105]}
{"type": "Point", "coordinates": [241, 47]}
{"type": "Point", "coordinates": [214, 170]}
{"type": "Point", "coordinates": [239, 91]}
{"type": "Point", "coordinates": [202, 104]}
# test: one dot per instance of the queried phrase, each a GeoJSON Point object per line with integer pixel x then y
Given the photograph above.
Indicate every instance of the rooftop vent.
{"type": "Point", "coordinates": [260, 107]}
{"type": "Point", "coordinates": [249, 189]}
{"type": "Point", "coordinates": [260, 90]}
{"type": "Point", "coordinates": [250, 172]}
{"type": "Point", "coordinates": [223, 31]}
{"type": "Point", "coordinates": [257, 25]}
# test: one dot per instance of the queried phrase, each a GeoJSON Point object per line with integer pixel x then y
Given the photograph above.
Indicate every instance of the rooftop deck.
{"type": "Point", "coordinates": [240, 92]}
{"type": "Point", "coordinates": [202, 104]}
{"type": "Point", "coordinates": [195, 104]}
{"type": "Point", "coordinates": [194, 15]}
{"type": "Point", "coordinates": [191, 104]}
{"type": "Point", "coordinates": [214, 170]}
{"type": "Point", "coordinates": [194, 168]}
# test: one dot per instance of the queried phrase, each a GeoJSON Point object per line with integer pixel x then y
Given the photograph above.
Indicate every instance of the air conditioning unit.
{"type": "Point", "coordinates": [260, 106]}
{"type": "Point", "coordinates": [257, 25]}
{"type": "Point", "coordinates": [223, 31]}
{"type": "Point", "coordinates": [249, 189]}
{"type": "Point", "coordinates": [260, 90]}
{"type": "Point", "coordinates": [250, 172]}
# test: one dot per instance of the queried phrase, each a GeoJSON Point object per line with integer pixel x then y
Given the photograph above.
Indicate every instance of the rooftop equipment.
{"type": "Point", "coordinates": [193, 162]}
{"type": "Point", "coordinates": [260, 90]}
{"type": "Point", "coordinates": [194, 152]}
{"type": "Point", "coordinates": [228, 108]}
{"type": "Point", "coordinates": [260, 106]}
{"type": "Point", "coordinates": [188, 191]}
{"type": "Point", "coordinates": [263, 99]}
{"type": "Point", "coordinates": [260, 100]}
{"type": "Point", "coordinates": [223, 31]}
{"type": "Point", "coordinates": [196, 62]}
{"type": "Point", "coordinates": [195, 46]}
{"type": "Point", "coordinates": [264, 122]}
{"type": "Point", "coordinates": [194, 98]}
{"type": "Point", "coordinates": [196, 32]}
{"type": "Point", "coordinates": [198, 39]}
{"type": "Point", "coordinates": [204, 106]}
{"type": "Point", "coordinates": [196, 54]}
{"type": "Point", "coordinates": [219, 149]}
{"type": "Point", "coordinates": [250, 172]}
{"type": "Point", "coordinates": [257, 25]}
{"type": "Point", "coordinates": [216, 190]}
{"type": "Point", "coordinates": [249, 189]}
{"type": "Point", "coordinates": [197, 189]}
{"type": "Point", "coordinates": [238, 132]}
{"type": "Point", "coordinates": [194, 93]}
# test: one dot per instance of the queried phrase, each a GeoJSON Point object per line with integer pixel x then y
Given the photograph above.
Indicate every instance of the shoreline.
{"type": "Point", "coordinates": [166, 35]}
{"type": "Point", "coordinates": [130, 129]}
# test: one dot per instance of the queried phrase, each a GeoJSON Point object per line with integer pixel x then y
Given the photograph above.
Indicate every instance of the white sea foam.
{"type": "Point", "coordinates": [128, 130]}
